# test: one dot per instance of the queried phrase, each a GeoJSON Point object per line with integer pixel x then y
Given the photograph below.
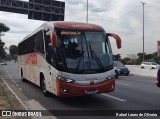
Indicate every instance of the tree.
{"type": "Point", "coordinates": [140, 57]}
{"type": "Point", "coordinates": [2, 51]}
{"type": "Point", "coordinates": [3, 28]}
{"type": "Point", "coordinates": [13, 51]}
{"type": "Point", "coordinates": [117, 57]}
{"type": "Point", "coordinates": [125, 60]}
{"type": "Point", "coordinates": [148, 56]}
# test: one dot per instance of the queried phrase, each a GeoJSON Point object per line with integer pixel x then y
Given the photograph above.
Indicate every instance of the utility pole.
{"type": "Point", "coordinates": [87, 11]}
{"type": "Point", "coordinates": [143, 28]}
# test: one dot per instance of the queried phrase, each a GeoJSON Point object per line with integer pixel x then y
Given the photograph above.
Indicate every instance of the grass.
{"type": "Point", "coordinates": [4, 101]}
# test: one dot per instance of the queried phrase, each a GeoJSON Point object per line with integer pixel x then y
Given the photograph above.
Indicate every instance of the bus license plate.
{"type": "Point", "coordinates": [91, 91]}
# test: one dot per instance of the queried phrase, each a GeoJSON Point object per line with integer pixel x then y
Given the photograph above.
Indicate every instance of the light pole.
{"type": "Point", "coordinates": [143, 28]}
{"type": "Point", "coordinates": [87, 11]}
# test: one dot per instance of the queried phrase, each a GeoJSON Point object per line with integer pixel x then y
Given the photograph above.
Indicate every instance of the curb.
{"type": "Point", "coordinates": [18, 98]}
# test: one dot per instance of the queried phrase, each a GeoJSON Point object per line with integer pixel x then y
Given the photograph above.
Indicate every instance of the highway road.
{"type": "Point", "coordinates": [132, 93]}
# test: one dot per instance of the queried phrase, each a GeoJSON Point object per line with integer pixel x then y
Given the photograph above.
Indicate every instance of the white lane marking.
{"type": "Point", "coordinates": [123, 84]}
{"type": "Point", "coordinates": [155, 81]}
{"type": "Point", "coordinates": [11, 77]}
{"type": "Point", "coordinates": [18, 98]}
{"type": "Point", "coordinates": [113, 97]}
{"type": "Point", "coordinates": [23, 104]}
{"type": "Point", "coordinates": [8, 73]}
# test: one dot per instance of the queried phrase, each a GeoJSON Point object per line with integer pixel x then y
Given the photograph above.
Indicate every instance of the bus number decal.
{"type": "Point", "coordinates": [31, 59]}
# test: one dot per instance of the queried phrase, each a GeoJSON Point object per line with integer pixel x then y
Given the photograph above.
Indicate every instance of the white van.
{"type": "Point", "coordinates": [149, 65]}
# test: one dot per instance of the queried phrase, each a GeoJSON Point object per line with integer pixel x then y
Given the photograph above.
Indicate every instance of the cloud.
{"type": "Point", "coordinates": [74, 2]}
{"type": "Point", "coordinates": [123, 17]}
{"type": "Point", "coordinates": [97, 10]}
{"type": "Point", "coordinates": [19, 25]}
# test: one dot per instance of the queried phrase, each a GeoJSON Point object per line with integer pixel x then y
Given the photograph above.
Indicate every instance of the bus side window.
{"type": "Point", "coordinates": [31, 45]}
{"type": "Point", "coordinates": [50, 53]}
{"type": "Point", "coordinates": [47, 40]}
{"type": "Point", "coordinates": [39, 43]}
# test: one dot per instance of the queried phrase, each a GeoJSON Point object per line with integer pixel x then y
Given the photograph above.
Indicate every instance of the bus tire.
{"type": "Point", "coordinates": [152, 68]}
{"type": "Point", "coordinates": [22, 78]}
{"type": "Point", "coordinates": [43, 87]}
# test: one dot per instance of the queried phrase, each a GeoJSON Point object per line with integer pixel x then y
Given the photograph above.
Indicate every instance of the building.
{"type": "Point", "coordinates": [132, 56]}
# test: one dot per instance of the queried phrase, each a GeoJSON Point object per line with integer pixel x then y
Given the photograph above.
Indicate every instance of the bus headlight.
{"type": "Point", "coordinates": [110, 77]}
{"type": "Point", "coordinates": [67, 80]}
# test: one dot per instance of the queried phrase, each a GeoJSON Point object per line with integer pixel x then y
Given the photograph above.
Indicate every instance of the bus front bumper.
{"type": "Point", "coordinates": [158, 78]}
{"type": "Point", "coordinates": [69, 89]}
{"type": "Point", "coordinates": [158, 84]}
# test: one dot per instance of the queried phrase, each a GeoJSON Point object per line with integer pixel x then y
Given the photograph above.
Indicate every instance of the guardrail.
{"type": "Point", "coordinates": [136, 69]}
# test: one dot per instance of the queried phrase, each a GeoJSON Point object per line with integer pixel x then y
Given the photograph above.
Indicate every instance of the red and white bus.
{"type": "Point", "coordinates": [68, 59]}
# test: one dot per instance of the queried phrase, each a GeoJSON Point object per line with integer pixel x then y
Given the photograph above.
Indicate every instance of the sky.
{"type": "Point", "coordinates": [123, 17]}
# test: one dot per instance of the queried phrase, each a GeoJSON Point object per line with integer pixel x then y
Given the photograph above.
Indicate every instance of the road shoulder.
{"type": "Point", "coordinates": [8, 101]}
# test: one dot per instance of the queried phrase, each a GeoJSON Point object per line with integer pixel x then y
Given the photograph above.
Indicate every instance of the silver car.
{"type": "Point", "coordinates": [149, 65]}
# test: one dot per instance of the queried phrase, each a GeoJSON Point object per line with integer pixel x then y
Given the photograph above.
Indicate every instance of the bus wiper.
{"type": "Point", "coordinates": [61, 62]}
{"type": "Point", "coordinates": [80, 59]}
{"type": "Point", "coordinates": [95, 57]}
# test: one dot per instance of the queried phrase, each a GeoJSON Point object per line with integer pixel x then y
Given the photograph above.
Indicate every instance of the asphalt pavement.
{"type": "Point", "coordinates": [132, 92]}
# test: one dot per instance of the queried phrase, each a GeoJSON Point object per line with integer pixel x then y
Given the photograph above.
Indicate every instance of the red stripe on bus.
{"type": "Point", "coordinates": [77, 90]}
{"type": "Point", "coordinates": [31, 59]}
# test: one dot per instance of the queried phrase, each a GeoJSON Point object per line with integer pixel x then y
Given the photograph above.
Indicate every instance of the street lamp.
{"type": "Point", "coordinates": [143, 28]}
{"type": "Point", "coordinates": [87, 11]}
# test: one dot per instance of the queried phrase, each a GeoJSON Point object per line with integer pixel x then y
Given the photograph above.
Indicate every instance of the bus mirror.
{"type": "Point", "coordinates": [117, 38]}
{"type": "Point", "coordinates": [53, 39]}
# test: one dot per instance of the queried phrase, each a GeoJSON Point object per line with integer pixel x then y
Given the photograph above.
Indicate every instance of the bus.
{"type": "Point", "coordinates": [158, 78]}
{"type": "Point", "coordinates": [68, 59]}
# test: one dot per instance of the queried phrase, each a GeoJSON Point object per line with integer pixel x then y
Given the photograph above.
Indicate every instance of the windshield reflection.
{"type": "Point", "coordinates": [81, 51]}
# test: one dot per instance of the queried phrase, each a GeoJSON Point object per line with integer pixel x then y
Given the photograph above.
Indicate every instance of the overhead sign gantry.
{"type": "Point", "coordinates": [46, 10]}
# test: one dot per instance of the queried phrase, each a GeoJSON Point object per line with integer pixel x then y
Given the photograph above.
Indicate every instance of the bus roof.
{"type": "Point", "coordinates": [66, 25]}
{"type": "Point", "coordinates": [75, 25]}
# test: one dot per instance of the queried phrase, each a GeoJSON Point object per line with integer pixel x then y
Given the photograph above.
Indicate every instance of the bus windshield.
{"type": "Point", "coordinates": [83, 51]}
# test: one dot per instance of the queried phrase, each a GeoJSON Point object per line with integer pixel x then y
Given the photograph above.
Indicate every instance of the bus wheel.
{"type": "Point", "coordinates": [22, 78]}
{"type": "Point", "coordinates": [43, 86]}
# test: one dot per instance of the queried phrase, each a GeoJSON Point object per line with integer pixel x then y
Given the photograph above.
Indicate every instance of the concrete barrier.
{"type": "Point", "coordinates": [136, 69]}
